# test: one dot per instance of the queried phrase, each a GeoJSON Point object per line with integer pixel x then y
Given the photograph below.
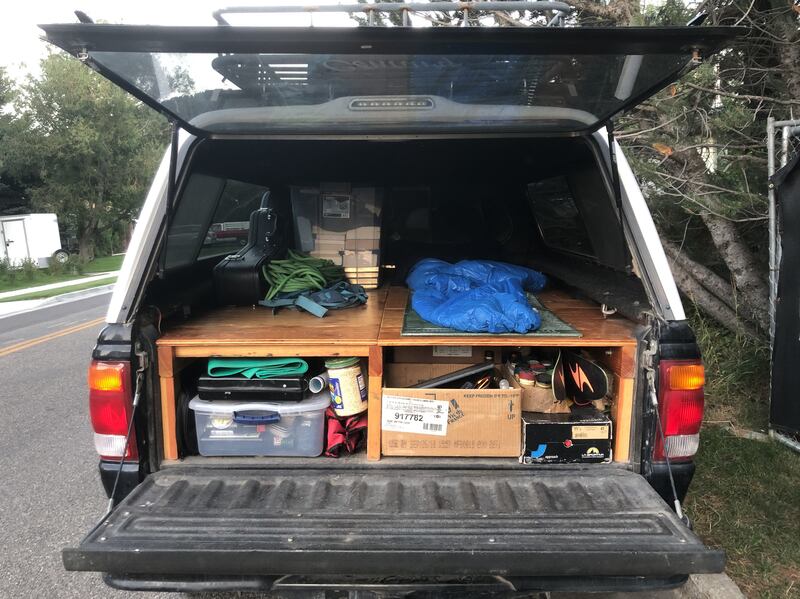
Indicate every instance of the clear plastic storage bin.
{"type": "Point", "coordinates": [261, 428]}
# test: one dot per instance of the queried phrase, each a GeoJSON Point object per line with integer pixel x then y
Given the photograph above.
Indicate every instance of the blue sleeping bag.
{"type": "Point", "coordinates": [477, 296]}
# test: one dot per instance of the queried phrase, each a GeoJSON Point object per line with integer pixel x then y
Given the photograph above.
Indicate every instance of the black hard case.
{"type": "Point", "coordinates": [231, 388]}
{"type": "Point", "coordinates": [238, 280]}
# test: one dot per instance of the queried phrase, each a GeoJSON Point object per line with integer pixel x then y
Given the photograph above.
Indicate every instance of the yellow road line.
{"type": "Point", "coordinates": [10, 349]}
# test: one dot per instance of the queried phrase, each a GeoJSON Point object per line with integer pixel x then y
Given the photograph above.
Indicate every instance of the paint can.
{"type": "Point", "coordinates": [346, 382]}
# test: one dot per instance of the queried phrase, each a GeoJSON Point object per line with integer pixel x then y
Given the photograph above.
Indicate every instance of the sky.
{"type": "Point", "coordinates": [21, 47]}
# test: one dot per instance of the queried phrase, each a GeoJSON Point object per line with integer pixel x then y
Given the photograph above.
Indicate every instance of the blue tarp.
{"type": "Point", "coordinates": [478, 296]}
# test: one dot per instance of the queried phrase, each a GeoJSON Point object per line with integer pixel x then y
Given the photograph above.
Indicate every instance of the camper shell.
{"type": "Point", "coordinates": [483, 143]}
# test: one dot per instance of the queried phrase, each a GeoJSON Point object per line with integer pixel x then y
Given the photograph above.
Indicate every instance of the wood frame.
{"type": "Point", "coordinates": [364, 332]}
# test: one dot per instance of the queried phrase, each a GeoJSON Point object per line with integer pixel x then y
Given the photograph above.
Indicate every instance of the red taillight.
{"type": "Point", "coordinates": [111, 406]}
{"type": "Point", "coordinates": [680, 406]}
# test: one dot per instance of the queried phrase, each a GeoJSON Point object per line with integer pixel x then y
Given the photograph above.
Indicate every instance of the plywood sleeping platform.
{"type": "Point", "coordinates": [596, 329]}
{"type": "Point", "coordinates": [364, 331]}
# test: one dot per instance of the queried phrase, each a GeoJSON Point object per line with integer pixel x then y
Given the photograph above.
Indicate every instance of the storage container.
{"type": "Point", "coordinates": [446, 422]}
{"type": "Point", "coordinates": [342, 223]}
{"type": "Point", "coordinates": [261, 428]}
{"type": "Point", "coordinates": [347, 387]}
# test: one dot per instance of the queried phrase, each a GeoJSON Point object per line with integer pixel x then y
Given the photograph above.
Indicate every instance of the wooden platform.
{"type": "Point", "coordinates": [256, 331]}
{"type": "Point", "coordinates": [596, 330]}
{"type": "Point", "coordinates": [364, 331]}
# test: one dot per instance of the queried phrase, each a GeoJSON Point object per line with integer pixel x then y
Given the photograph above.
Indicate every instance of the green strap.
{"type": "Point", "coordinates": [259, 368]}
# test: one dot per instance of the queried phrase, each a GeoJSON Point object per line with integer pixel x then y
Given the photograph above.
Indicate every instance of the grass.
{"type": "Point", "coordinates": [105, 264]}
{"type": "Point", "coordinates": [53, 292]}
{"type": "Point", "coordinates": [745, 497]}
{"type": "Point", "coordinates": [737, 377]}
{"type": "Point", "coordinates": [43, 276]}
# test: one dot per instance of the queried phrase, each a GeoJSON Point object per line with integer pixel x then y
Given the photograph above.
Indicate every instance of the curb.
{"type": "Point", "coordinates": [698, 586]}
{"type": "Point", "coordinates": [71, 296]}
{"type": "Point", "coordinates": [712, 586]}
{"type": "Point", "coordinates": [10, 295]}
{"type": "Point", "coordinates": [64, 298]}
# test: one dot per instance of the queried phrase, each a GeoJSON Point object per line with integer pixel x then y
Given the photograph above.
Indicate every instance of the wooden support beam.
{"type": "Point", "coordinates": [375, 370]}
{"type": "Point", "coordinates": [166, 360]}
{"type": "Point", "coordinates": [622, 413]}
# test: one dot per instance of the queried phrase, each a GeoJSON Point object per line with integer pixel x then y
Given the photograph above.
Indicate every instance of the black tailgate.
{"type": "Point", "coordinates": [371, 521]}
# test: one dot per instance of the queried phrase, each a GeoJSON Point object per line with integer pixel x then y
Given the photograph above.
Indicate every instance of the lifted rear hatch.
{"type": "Point", "coordinates": [251, 80]}
{"type": "Point", "coordinates": [368, 520]}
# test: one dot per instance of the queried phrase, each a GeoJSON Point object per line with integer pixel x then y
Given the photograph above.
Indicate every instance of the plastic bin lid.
{"type": "Point", "coordinates": [316, 402]}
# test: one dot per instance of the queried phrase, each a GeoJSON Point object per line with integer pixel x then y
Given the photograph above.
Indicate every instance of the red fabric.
{"type": "Point", "coordinates": [348, 433]}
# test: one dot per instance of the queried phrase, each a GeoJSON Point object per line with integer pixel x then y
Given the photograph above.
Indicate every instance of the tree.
{"type": "Point", "coordinates": [700, 150]}
{"type": "Point", "coordinates": [11, 193]}
{"type": "Point", "coordinates": [91, 147]}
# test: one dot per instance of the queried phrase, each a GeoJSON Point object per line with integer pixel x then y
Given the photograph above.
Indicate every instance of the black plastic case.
{"type": "Point", "coordinates": [238, 280]}
{"type": "Point", "coordinates": [232, 388]}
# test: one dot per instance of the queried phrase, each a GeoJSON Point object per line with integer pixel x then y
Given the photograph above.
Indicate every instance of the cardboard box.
{"type": "Point", "coordinates": [536, 399]}
{"type": "Point", "coordinates": [582, 436]}
{"type": "Point", "coordinates": [447, 422]}
{"type": "Point", "coordinates": [328, 248]}
{"type": "Point", "coordinates": [333, 216]}
{"type": "Point", "coordinates": [365, 283]}
{"type": "Point", "coordinates": [329, 238]}
{"type": "Point", "coordinates": [363, 238]}
{"type": "Point", "coordinates": [353, 259]}
{"type": "Point", "coordinates": [446, 354]}
{"type": "Point", "coordinates": [407, 375]}
{"type": "Point", "coordinates": [336, 258]}
{"type": "Point", "coordinates": [362, 244]}
{"type": "Point", "coordinates": [364, 232]}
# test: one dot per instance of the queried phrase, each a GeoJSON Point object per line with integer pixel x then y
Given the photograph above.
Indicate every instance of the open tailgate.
{"type": "Point", "coordinates": [394, 521]}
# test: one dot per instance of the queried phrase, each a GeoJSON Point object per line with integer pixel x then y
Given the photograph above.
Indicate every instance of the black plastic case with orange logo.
{"type": "Point", "coordinates": [581, 436]}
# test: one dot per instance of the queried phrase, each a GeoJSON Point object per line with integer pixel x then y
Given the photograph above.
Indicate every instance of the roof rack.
{"type": "Point", "coordinates": [499, 8]}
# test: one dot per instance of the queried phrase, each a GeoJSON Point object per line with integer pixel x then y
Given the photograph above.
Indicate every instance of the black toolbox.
{"type": "Point", "coordinates": [237, 388]}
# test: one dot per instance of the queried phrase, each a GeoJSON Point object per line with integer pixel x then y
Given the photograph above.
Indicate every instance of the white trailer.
{"type": "Point", "coordinates": [30, 236]}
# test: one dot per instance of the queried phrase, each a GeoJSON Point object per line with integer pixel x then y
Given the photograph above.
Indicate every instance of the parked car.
{"type": "Point", "coordinates": [490, 143]}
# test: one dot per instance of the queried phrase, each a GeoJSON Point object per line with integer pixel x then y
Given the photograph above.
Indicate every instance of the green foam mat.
{"type": "Point", "coordinates": [552, 325]}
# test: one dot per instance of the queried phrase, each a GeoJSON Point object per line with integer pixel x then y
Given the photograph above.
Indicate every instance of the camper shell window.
{"type": "Point", "coordinates": [519, 200]}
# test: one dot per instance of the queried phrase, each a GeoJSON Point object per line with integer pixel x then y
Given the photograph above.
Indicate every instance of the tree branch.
{"type": "Point", "coordinates": [716, 285]}
{"type": "Point", "coordinates": [710, 304]}
{"type": "Point", "coordinates": [750, 97]}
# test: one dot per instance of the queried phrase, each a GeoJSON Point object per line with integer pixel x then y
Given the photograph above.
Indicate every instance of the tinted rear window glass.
{"type": "Point", "coordinates": [301, 91]}
{"type": "Point", "coordinates": [212, 219]}
{"type": "Point", "coordinates": [557, 215]}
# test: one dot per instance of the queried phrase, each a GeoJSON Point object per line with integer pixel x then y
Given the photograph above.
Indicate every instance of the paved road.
{"type": "Point", "coordinates": [56, 318]}
{"type": "Point", "coordinates": [50, 492]}
{"type": "Point", "coordinates": [50, 489]}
